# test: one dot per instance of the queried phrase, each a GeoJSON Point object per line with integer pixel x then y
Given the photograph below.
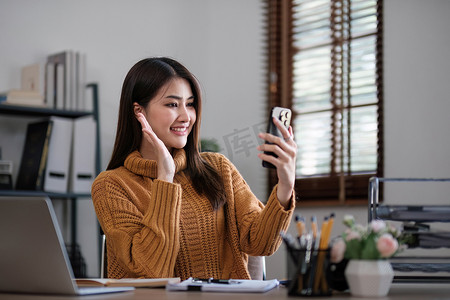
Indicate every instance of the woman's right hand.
{"type": "Point", "coordinates": [164, 160]}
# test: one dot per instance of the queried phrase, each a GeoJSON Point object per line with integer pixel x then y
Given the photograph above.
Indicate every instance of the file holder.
{"type": "Point", "coordinates": [413, 268]}
{"type": "Point", "coordinates": [309, 279]}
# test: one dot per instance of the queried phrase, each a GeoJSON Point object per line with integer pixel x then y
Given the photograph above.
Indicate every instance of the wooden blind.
{"type": "Point", "coordinates": [325, 63]}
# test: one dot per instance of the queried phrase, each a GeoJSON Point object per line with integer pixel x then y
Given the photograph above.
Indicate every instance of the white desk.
{"type": "Point", "coordinates": [405, 291]}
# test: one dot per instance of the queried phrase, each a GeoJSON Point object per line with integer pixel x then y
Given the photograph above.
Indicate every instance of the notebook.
{"type": "Point", "coordinates": [33, 258]}
{"type": "Point", "coordinates": [219, 285]}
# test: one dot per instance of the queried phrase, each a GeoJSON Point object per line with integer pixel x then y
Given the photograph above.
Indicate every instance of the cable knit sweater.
{"type": "Point", "coordinates": [159, 229]}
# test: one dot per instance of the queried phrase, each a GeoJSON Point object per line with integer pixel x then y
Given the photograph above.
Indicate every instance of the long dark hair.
{"type": "Point", "coordinates": [141, 84]}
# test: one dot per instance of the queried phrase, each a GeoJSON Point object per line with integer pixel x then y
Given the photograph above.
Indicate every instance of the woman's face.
{"type": "Point", "coordinates": [171, 113]}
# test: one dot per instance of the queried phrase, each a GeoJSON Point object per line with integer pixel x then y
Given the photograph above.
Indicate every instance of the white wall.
{"type": "Point", "coordinates": [221, 42]}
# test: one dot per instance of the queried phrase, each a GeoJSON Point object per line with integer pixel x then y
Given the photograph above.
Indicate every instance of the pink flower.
{"type": "Point", "coordinates": [377, 225]}
{"type": "Point", "coordinates": [352, 235]}
{"type": "Point", "coordinates": [387, 245]}
{"type": "Point", "coordinates": [337, 251]}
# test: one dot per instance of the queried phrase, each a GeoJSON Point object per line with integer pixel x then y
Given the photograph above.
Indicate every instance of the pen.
{"type": "Point", "coordinates": [211, 280]}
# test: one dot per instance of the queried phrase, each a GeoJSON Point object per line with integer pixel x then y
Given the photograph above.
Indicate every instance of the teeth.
{"type": "Point", "coordinates": [178, 129]}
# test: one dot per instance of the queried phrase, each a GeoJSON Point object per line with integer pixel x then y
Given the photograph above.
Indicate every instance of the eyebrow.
{"type": "Point", "coordinates": [178, 97]}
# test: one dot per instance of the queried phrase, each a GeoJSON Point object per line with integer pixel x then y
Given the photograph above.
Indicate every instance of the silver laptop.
{"type": "Point", "coordinates": [33, 258]}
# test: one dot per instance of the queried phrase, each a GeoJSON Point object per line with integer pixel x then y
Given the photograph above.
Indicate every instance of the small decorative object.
{"type": "Point", "coordinates": [369, 278]}
{"type": "Point", "coordinates": [368, 272]}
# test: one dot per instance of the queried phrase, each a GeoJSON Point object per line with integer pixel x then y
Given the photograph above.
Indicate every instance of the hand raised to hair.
{"type": "Point", "coordinates": [286, 150]}
{"type": "Point", "coordinates": [164, 160]}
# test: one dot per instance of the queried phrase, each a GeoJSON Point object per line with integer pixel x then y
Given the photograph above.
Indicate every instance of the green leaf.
{"type": "Point", "coordinates": [353, 249]}
{"type": "Point", "coordinates": [369, 250]}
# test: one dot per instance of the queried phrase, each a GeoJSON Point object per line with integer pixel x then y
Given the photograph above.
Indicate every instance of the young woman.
{"type": "Point", "coordinates": [170, 211]}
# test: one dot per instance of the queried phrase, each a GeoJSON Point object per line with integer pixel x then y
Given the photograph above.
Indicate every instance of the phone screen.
{"type": "Point", "coordinates": [284, 115]}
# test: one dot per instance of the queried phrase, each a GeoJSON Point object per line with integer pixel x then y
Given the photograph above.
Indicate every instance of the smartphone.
{"type": "Point", "coordinates": [284, 115]}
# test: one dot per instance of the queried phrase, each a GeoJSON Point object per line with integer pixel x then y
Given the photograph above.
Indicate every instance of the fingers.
{"type": "Point", "coordinates": [150, 136]}
{"type": "Point", "coordinates": [141, 118]}
{"type": "Point", "coordinates": [284, 147]}
{"type": "Point", "coordinates": [283, 155]}
{"type": "Point", "coordinates": [282, 142]}
{"type": "Point", "coordinates": [286, 133]}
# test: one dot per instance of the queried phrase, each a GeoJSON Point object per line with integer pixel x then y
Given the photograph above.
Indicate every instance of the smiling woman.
{"type": "Point", "coordinates": [171, 115]}
{"type": "Point", "coordinates": [168, 210]}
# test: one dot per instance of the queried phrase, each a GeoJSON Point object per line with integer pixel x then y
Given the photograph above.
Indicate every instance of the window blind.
{"type": "Point", "coordinates": [325, 63]}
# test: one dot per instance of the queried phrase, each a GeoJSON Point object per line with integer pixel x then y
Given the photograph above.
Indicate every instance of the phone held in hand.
{"type": "Point", "coordinates": [284, 115]}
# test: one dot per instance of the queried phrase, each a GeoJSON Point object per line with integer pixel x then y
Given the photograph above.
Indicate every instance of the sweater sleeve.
{"type": "Point", "coordinates": [260, 228]}
{"type": "Point", "coordinates": [259, 225]}
{"type": "Point", "coordinates": [144, 242]}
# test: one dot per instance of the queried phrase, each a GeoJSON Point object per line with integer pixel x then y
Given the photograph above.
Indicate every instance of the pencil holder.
{"type": "Point", "coordinates": [309, 279]}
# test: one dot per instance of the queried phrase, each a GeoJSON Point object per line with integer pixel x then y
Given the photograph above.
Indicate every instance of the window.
{"type": "Point", "coordinates": [325, 63]}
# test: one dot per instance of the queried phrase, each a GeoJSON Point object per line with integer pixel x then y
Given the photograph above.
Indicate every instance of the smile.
{"type": "Point", "coordinates": [179, 130]}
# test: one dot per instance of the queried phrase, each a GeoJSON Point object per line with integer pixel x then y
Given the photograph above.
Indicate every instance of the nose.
{"type": "Point", "coordinates": [184, 115]}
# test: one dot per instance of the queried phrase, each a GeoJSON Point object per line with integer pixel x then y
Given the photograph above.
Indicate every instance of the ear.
{"type": "Point", "coordinates": [138, 109]}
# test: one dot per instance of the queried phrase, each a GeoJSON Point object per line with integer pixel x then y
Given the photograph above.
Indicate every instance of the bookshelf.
{"type": "Point", "coordinates": [29, 111]}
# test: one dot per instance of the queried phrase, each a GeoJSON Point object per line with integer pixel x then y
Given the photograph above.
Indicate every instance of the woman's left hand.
{"type": "Point", "coordinates": [286, 150]}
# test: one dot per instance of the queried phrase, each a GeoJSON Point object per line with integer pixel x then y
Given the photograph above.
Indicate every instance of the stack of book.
{"type": "Point", "coordinates": [65, 80]}
{"type": "Point", "coordinates": [31, 90]}
{"type": "Point", "coordinates": [57, 83]}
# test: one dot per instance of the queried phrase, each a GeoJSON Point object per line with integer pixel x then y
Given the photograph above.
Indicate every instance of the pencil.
{"type": "Point", "coordinates": [300, 225]}
{"type": "Point", "coordinates": [314, 226]}
{"type": "Point", "coordinates": [326, 236]}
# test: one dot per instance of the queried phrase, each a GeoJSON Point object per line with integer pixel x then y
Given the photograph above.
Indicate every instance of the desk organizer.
{"type": "Point", "coordinates": [416, 221]}
{"type": "Point", "coordinates": [310, 276]}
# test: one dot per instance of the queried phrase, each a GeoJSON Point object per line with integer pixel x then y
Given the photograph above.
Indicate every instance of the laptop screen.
{"type": "Point", "coordinates": [33, 258]}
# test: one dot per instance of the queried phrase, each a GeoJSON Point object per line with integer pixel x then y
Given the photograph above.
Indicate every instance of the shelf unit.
{"type": "Point", "coordinates": [28, 111]}
{"type": "Point", "coordinates": [417, 221]}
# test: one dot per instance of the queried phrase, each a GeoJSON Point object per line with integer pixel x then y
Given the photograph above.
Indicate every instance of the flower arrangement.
{"type": "Point", "coordinates": [378, 240]}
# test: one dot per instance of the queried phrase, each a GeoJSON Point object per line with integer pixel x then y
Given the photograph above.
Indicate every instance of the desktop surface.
{"type": "Point", "coordinates": [398, 291]}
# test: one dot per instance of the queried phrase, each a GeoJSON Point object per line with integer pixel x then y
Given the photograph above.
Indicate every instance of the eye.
{"type": "Point", "coordinates": [173, 104]}
{"type": "Point", "coordinates": [190, 104]}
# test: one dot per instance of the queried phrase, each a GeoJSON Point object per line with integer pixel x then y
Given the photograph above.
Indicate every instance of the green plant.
{"type": "Point", "coordinates": [209, 145]}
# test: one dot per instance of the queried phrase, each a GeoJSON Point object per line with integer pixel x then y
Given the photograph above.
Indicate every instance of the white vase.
{"type": "Point", "coordinates": [369, 278]}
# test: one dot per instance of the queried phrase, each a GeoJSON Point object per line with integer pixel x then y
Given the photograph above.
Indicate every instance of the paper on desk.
{"type": "Point", "coordinates": [134, 282]}
{"type": "Point", "coordinates": [235, 286]}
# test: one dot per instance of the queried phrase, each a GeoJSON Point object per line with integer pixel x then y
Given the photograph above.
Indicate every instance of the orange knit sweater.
{"type": "Point", "coordinates": [159, 229]}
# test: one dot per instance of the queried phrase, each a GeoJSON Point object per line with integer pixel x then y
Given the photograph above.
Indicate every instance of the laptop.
{"type": "Point", "coordinates": [33, 258]}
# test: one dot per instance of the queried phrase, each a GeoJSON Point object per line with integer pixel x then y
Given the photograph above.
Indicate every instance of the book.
{"type": "Point", "coordinates": [133, 282]}
{"type": "Point", "coordinates": [229, 286]}
{"type": "Point", "coordinates": [32, 78]}
{"type": "Point", "coordinates": [50, 85]}
{"type": "Point", "coordinates": [22, 97]}
{"type": "Point", "coordinates": [81, 82]}
{"type": "Point", "coordinates": [64, 61]}
{"type": "Point", "coordinates": [59, 87]}
{"type": "Point", "coordinates": [34, 156]}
